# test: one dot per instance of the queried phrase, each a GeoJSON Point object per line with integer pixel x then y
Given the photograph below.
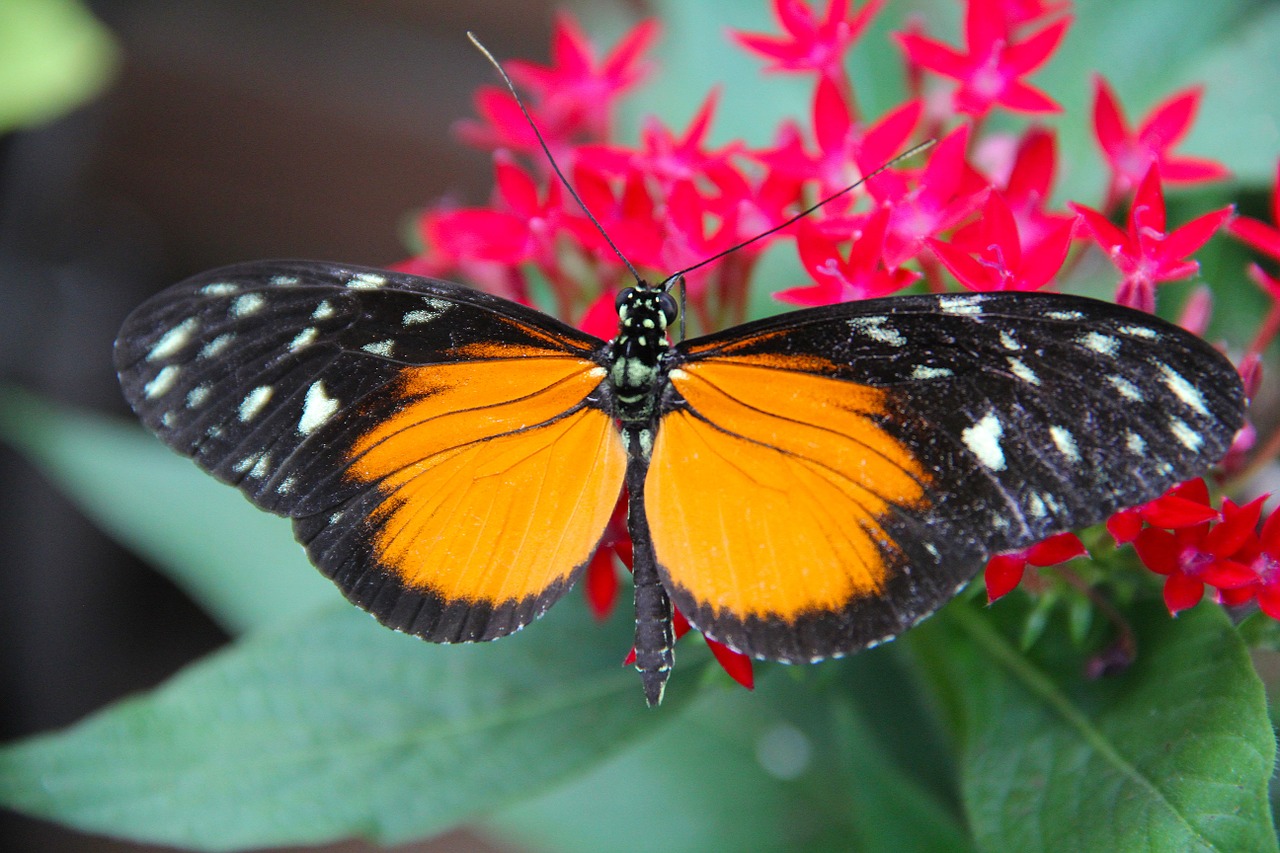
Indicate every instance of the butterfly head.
{"type": "Point", "coordinates": [644, 313]}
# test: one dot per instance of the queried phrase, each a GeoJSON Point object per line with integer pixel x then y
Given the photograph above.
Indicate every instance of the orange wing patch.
{"type": "Point", "coordinates": [492, 492]}
{"type": "Point", "coordinates": [781, 516]}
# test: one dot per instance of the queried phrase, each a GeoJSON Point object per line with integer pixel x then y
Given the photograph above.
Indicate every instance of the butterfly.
{"type": "Point", "coordinates": [800, 487]}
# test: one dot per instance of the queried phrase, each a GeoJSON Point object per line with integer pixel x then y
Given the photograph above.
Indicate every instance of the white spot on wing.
{"type": "Point", "coordinates": [924, 371]}
{"type": "Point", "coordinates": [382, 348]}
{"type": "Point", "coordinates": [1008, 341]}
{"type": "Point", "coordinates": [419, 316]}
{"type": "Point", "coordinates": [1069, 316]}
{"type": "Point", "coordinates": [317, 408]}
{"type": "Point", "coordinates": [172, 341]}
{"type": "Point", "coordinates": [217, 345]}
{"type": "Point", "coordinates": [1126, 388]}
{"type": "Point", "coordinates": [305, 338]}
{"type": "Point", "coordinates": [874, 328]}
{"type": "Point", "coordinates": [1099, 343]}
{"type": "Point", "coordinates": [1036, 507]}
{"type": "Point", "coordinates": [366, 281]}
{"type": "Point", "coordinates": [246, 463]}
{"type": "Point", "coordinates": [197, 396]}
{"type": "Point", "coordinates": [287, 485]}
{"type": "Point", "coordinates": [262, 467]}
{"type": "Point", "coordinates": [1065, 442]}
{"type": "Point", "coordinates": [162, 383]}
{"type": "Point", "coordinates": [253, 402]}
{"type": "Point", "coordinates": [1139, 332]}
{"type": "Point", "coordinates": [246, 305]}
{"type": "Point", "coordinates": [983, 441]}
{"type": "Point", "coordinates": [1020, 370]}
{"type": "Point", "coordinates": [1184, 390]}
{"type": "Point", "coordinates": [1137, 444]}
{"type": "Point", "coordinates": [962, 304]}
{"type": "Point", "coordinates": [221, 288]}
{"type": "Point", "coordinates": [284, 280]}
{"type": "Point", "coordinates": [1190, 439]}
{"type": "Point", "coordinates": [323, 311]}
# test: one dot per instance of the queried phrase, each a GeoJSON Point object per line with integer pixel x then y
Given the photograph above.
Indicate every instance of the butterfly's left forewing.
{"type": "Point", "coordinates": [824, 479]}
{"type": "Point", "coordinates": [443, 453]}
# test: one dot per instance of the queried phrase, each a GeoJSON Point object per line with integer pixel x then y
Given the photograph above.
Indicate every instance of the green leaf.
{"type": "Point", "coordinates": [1173, 754]}
{"type": "Point", "coordinates": [802, 763]}
{"type": "Point", "coordinates": [890, 811]}
{"type": "Point", "coordinates": [671, 791]}
{"type": "Point", "coordinates": [240, 563]}
{"type": "Point", "coordinates": [340, 728]}
{"type": "Point", "coordinates": [54, 55]}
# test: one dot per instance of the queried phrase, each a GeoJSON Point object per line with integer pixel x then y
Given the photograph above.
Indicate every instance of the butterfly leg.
{"type": "Point", "coordinates": [655, 636]}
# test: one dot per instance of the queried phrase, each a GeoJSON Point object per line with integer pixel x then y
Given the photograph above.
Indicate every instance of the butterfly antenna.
{"type": "Point", "coordinates": [552, 160]}
{"type": "Point", "coordinates": [910, 152]}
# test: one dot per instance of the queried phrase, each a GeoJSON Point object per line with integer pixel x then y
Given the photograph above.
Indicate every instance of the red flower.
{"type": "Point", "coordinates": [810, 45]}
{"type": "Point", "coordinates": [846, 149]}
{"type": "Point", "coordinates": [1262, 555]}
{"type": "Point", "coordinates": [1028, 185]}
{"type": "Point", "coordinates": [571, 99]}
{"type": "Point", "coordinates": [1185, 505]}
{"type": "Point", "coordinates": [576, 89]}
{"type": "Point", "coordinates": [1004, 571]}
{"type": "Point", "coordinates": [947, 191]}
{"type": "Point", "coordinates": [1265, 238]}
{"type": "Point", "coordinates": [861, 276]}
{"type": "Point", "coordinates": [667, 157]}
{"type": "Point", "coordinates": [1000, 263]}
{"type": "Point", "coordinates": [1191, 557]}
{"type": "Point", "coordinates": [1145, 253]}
{"type": "Point", "coordinates": [1019, 12]}
{"type": "Point", "coordinates": [989, 73]}
{"type": "Point", "coordinates": [1131, 154]}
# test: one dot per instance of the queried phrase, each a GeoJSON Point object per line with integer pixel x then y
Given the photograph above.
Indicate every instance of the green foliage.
{"type": "Point", "coordinates": [331, 727]}
{"type": "Point", "coordinates": [53, 56]}
{"type": "Point", "coordinates": [1172, 754]}
{"type": "Point", "coordinates": [241, 564]}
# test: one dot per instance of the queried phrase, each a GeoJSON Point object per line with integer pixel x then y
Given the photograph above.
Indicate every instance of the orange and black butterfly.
{"type": "Point", "coordinates": [800, 487]}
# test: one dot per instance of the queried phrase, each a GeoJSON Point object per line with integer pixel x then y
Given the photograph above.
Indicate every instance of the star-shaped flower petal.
{"type": "Point", "coordinates": [1131, 153]}
{"type": "Point", "coordinates": [990, 70]}
{"type": "Point", "coordinates": [947, 191]}
{"type": "Point", "coordinates": [847, 148]}
{"type": "Point", "coordinates": [1000, 263]}
{"type": "Point", "coordinates": [1144, 253]}
{"type": "Point", "coordinates": [1191, 557]}
{"type": "Point", "coordinates": [838, 279]}
{"type": "Point", "coordinates": [571, 99]}
{"type": "Point", "coordinates": [1004, 571]}
{"type": "Point", "coordinates": [810, 45]}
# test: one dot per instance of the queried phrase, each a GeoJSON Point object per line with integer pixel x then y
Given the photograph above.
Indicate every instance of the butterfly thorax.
{"type": "Point", "coordinates": [635, 367]}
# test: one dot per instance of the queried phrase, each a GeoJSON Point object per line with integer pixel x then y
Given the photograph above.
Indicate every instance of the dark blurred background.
{"type": "Point", "coordinates": [231, 131]}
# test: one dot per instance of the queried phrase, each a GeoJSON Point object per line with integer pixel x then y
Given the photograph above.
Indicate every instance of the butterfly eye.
{"type": "Point", "coordinates": [667, 305]}
{"type": "Point", "coordinates": [624, 296]}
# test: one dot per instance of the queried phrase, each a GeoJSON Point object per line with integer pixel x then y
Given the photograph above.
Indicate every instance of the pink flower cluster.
{"type": "Point", "coordinates": [974, 210]}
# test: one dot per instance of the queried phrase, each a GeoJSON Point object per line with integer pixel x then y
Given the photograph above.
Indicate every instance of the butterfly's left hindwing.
{"type": "Point", "coordinates": [426, 439]}
{"type": "Point", "coordinates": [823, 479]}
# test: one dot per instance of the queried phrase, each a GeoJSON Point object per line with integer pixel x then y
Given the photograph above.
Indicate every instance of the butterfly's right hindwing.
{"type": "Point", "coordinates": [369, 407]}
